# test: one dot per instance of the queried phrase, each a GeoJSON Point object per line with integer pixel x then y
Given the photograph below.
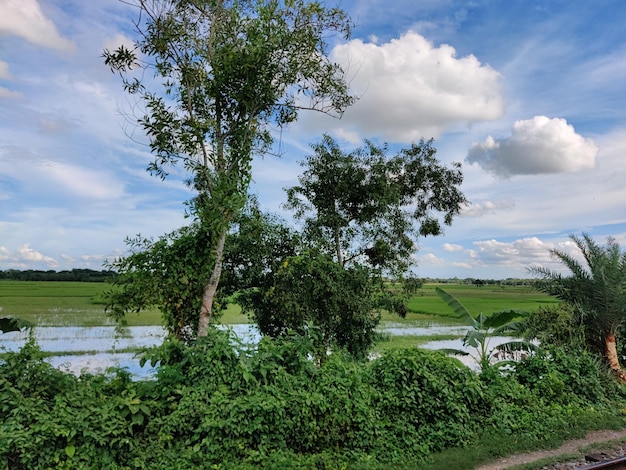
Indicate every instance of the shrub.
{"type": "Point", "coordinates": [426, 401]}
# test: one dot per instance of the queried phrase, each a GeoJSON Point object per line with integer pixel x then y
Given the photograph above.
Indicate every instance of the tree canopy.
{"type": "Point", "coordinates": [367, 207]}
{"type": "Point", "coordinates": [229, 70]}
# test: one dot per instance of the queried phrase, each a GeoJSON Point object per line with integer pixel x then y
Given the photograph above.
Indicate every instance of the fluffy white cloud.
{"type": "Point", "coordinates": [25, 256]}
{"type": "Point", "coordinates": [480, 208]}
{"type": "Point", "coordinates": [518, 256]}
{"type": "Point", "coordinates": [24, 18]}
{"type": "Point", "coordinates": [451, 247]}
{"type": "Point", "coordinates": [410, 89]}
{"type": "Point", "coordinates": [431, 260]}
{"type": "Point", "coordinates": [6, 93]}
{"type": "Point", "coordinates": [536, 146]}
{"type": "Point", "coordinates": [51, 178]}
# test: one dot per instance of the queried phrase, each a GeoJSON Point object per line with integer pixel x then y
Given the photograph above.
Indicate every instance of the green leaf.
{"type": "Point", "coordinates": [70, 451]}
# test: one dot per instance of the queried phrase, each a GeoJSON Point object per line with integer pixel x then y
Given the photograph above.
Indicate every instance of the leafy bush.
{"type": "Point", "coordinates": [216, 404]}
{"type": "Point", "coordinates": [426, 401]}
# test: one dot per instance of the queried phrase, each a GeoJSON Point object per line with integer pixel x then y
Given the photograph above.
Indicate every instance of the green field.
{"type": "Point", "coordinates": [80, 303]}
{"type": "Point", "coordinates": [486, 299]}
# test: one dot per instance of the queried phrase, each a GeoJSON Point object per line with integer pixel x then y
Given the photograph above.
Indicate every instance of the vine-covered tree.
{"type": "Point", "coordinates": [229, 70]}
{"type": "Point", "coordinates": [596, 291]}
{"type": "Point", "coordinates": [366, 207]}
{"type": "Point", "coordinates": [160, 273]}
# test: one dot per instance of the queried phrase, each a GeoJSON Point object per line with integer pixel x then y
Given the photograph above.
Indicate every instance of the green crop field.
{"type": "Point", "coordinates": [53, 303]}
{"type": "Point", "coordinates": [427, 306]}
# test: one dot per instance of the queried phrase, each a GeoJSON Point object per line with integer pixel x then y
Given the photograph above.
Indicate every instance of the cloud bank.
{"type": "Point", "coordinates": [536, 146]}
{"type": "Point", "coordinates": [410, 89]}
{"type": "Point", "coordinates": [25, 19]}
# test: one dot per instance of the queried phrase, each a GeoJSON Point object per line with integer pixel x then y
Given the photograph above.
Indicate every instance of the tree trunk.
{"type": "Point", "coordinates": [211, 288]}
{"type": "Point", "coordinates": [338, 248]}
{"type": "Point", "coordinates": [610, 352]}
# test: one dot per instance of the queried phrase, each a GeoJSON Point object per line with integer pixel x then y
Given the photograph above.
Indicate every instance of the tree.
{"type": "Point", "coordinates": [365, 207]}
{"type": "Point", "coordinates": [483, 328]}
{"type": "Point", "coordinates": [161, 273]}
{"type": "Point", "coordinates": [256, 247]}
{"type": "Point", "coordinates": [314, 296]}
{"type": "Point", "coordinates": [287, 287]}
{"type": "Point", "coordinates": [596, 291]}
{"type": "Point", "coordinates": [229, 69]}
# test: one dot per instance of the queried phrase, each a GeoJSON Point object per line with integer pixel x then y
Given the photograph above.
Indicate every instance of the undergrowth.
{"type": "Point", "coordinates": [216, 405]}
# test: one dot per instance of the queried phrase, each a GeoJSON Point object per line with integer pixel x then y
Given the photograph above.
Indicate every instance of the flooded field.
{"type": "Point", "coordinates": [94, 349]}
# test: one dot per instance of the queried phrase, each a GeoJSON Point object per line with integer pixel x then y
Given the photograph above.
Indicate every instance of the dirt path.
{"type": "Point", "coordinates": [567, 448]}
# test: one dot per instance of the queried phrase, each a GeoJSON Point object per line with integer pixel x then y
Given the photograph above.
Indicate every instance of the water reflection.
{"type": "Point", "coordinates": [98, 348]}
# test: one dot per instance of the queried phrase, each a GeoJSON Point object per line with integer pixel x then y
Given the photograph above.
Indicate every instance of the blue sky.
{"type": "Point", "coordinates": [529, 95]}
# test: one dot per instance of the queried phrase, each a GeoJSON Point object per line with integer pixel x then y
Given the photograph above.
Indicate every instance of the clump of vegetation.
{"type": "Point", "coordinates": [214, 403]}
{"type": "Point", "coordinates": [595, 293]}
{"type": "Point", "coordinates": [484, 328]}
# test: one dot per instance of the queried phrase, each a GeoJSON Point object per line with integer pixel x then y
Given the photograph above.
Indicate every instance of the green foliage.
{"type": "Point", "coordinates": [256, 247]}
{"type": "Point", "coordinates": [314, 296]}
{"type": "Point", "coordinates": [595, 291]}
{"type": "Point", "coordinates": [485, 327]}
{"type": "Point", "coordinates": [230, 71]}
{"type": "Point", "coordinates": [555, 325]}
{"type": "Point", "coordinates": [364, 205]}
{"type": "Point", "coordinates": [216, 404]}
{"type": "Point", "coordinates": [427, 401]}
{"type": "Point", "coordinates": [166, 273]}
{"type": "Point", "coordinates": [566, 376]}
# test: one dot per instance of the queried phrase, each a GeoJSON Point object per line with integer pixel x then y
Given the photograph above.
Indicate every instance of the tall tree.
{"type": "Point", "coordinates": [596, 291]}
{"type": "Point", "coordinates": [229, 69]}
{"type": "Point", "coordinates": [364, 206]}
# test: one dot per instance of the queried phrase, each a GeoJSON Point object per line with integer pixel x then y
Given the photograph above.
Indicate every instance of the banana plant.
{"type": "Point", "coordinates": [484, 328]}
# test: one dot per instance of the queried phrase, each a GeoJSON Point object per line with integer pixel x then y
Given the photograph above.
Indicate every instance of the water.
{"type": "Point", "coordinates": [98, 348]}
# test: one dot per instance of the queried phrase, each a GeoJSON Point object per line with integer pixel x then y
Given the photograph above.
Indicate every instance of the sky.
{"type": "Point", "coordinates": [529, 95]}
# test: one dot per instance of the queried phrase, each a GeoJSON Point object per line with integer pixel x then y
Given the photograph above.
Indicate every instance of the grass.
{"type": "Point", "coordinates": [491, 446]}
{"type": "Point", "coordinates": [53, 303]}
{"type": "Point", "coordinates": [478, 299]}
{"type": "Point", "coordinates": [407, 341]}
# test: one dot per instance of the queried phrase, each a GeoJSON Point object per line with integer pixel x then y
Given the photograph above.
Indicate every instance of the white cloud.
{"type": "Point", "coordinates": [24, 18]}
{"type": "Point", "coordinates": [451, 247]}
{"type": "Point", "coordinates": [50, 178]}
{"type": "Point", "coordinates": [410, 89]}
{"type": "Point", "coordinates": [480, 208]}
{"type": "Point", "coordinates": [25, 253]}
{"type": "Point", "coordinates": [536, 146]}
{"type": "Point", "coordinates": [518, 256]}
{"type": "Point", "coordinates": [431, 259]}
{"type": "Point", "coordinates": [6, 93]}
{"type": "Point", "coordinates": [117, 41]}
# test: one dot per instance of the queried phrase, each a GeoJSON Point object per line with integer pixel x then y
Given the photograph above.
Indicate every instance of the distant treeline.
{"type": "Point", "coordinates": [83, 275]}
{"type": "Point", "coordinates": [89, 275]}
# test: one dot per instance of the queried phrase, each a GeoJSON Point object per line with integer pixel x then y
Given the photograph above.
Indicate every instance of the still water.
{"type": "Point", "coordinates": [94, 349]}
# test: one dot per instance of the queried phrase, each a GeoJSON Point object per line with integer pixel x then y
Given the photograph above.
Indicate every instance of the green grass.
{"type": "Point", "coordinates": [407, 341]}
{"type": "Point", "coordinates": [51, 303]}
{"type": "Point", "coordinates": [486, 299]}
{"type": "Point", "coordinates": [80, 304]}
{"type": "Point", "coordinates": [491, 446]}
